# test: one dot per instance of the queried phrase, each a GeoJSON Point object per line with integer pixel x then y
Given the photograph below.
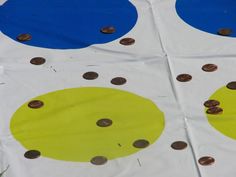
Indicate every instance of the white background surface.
{"type": "Point", "coordinates": [161, 52]}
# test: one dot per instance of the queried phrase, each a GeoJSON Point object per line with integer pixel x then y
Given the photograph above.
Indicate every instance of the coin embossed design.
{"type": "Point", "coordinates": [90, 75]}
{"type": "Point", "coordinates": [99, 160]}
{"type": "Point", "coordinates": [211, 103]}
{"type": "Point", "coordinates": [108, 30]}
{"type": "Point", "coordinates": [127, 41]}
{"type": "Point", "coordinates": [141, 143]}
{"type": "Point", "coordinates": [214, 110]}
{"type": "Point", "coordinates": [104, 122]}
{"type": "Point", "coordinates": [225, 31]}
{"type": "Point", "coordinates": [35, 104]}
{"type": "Point", "coordinates": [118, 81]}
{"type": "Point", "coordinates": [24, 37]}
{"type": "Point", "coordinates": [32, 154]}
{"type": "Point", "coordinates": [184, 77]}
{"type": "Point", "coordinates": [209, 67]}
{"type": "Point", "coordinates": [37, 61]}
{"type": "Point", "coordinates": [231, 85]}
{"type": "Point", "coordinates": [179, 145]}
{"type": "Point", "coordinates": [206, 161]}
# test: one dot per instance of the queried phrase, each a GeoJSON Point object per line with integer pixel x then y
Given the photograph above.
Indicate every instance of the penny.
{"type": "Point", "coordinates": [141, 143]}
{"type": "Point", "coordinates": [211, 103]}
{"type": "Point", "coordinates": [231, 85]}
{"type": "Point", "coordinates": [90, 75]}
{"type": "Point", "coordinates": [184, 77]}
{"type": "Point", "coordinates": [179, 145]}
{"type": "Point", "coordinates": [209, 68]}
{"type": "Point", "coordinates": [24, 37]}
{"type": "Point", "coordinates": [37, 61]}
{"type": "Point", "coordinates": [214, 110]}
{"type": "Point", "coordinates": [104, 122]}
{"type": "Point", "coordinates": [32, 154]}
{"type": "Point", "coordinates": [127, 41]}
{"type": "Point", "coordinates": [108, 30]}
{"type": "Point", "coordinates": [225, 31]}
{"type": "Point", "coordinates": [118, 81]}
{"type": "Point", "coordinates": [99, 160]}
{"type": "Point", "coordinates": [35, 104]}
{"type": "Point", "coordinates": [206, 161]}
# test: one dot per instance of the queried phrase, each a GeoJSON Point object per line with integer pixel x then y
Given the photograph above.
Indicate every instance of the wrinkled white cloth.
{"type": "Point", "coordinates": [165, 47]}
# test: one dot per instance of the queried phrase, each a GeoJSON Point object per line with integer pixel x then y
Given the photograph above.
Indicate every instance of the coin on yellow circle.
{"type": "Point", "coordinates": [224, 120]}
{"type": "Point", "coordinates": [79, 124]}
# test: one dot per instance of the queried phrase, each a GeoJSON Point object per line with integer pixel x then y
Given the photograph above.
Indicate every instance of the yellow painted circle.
{"type": "Point", "coordinates": [226, 121]}
{"type": "Point", "coordinates": [65, 128]}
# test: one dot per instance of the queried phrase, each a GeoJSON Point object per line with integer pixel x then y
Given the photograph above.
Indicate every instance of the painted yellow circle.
{"type": "Point", "coordinates": [226, 121]}
{"type": "Point", "coordinates": [65, 128]}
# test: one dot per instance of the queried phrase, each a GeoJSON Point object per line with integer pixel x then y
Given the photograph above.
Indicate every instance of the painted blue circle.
{"type": "Point", "coordinates": [66, 24]}
{"type": "Point", "coordinates": [208, 15]}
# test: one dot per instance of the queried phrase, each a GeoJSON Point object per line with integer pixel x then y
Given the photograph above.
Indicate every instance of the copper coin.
{"type": "Point", "coordinates": [184, 77]}
{"type": "Point", "coordinates": [32, 154]}
{"type": "Point", "coordinates": [104, 122]}
{"type": "Point", "coordinates": [99, 160]}
{"type": "Point", "coordinates": [35, 104]}
{"type": "Point", "coordinates": [179, 145]}
{"type": "Point", "coordinates": [206, 161]}
{"type": "Point", "coordinates": [118, 81]}
{"type": "Point", "coordinates": [108, 30]}
{"type": "Point", "coordinates": [141, 143]}
{"type": "Point", "coordinates": [24, 37]}
{"type": "Point", "coordinates": [127, 41]}
{"type": "Point", "coordinates": [214, 110]}
{"type": "Point", "coordinates": [209, 68]}
{"type": "Point", "coordinates": [231, 85]}
{"type": "Point", "coordinates": [37, 61]}
{"type": "Point", "coordinates": [90, 75]}
{"type": "Point", "coordinates": [211, 103]}
{"type": "Point", "coordinates": [225, 31]}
